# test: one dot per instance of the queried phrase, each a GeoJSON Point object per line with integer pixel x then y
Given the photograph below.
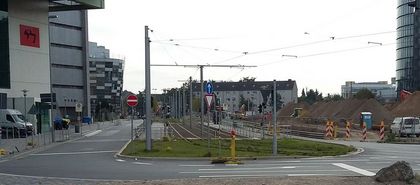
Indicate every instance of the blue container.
{"type": "Point", "coordinates": [87, 120]}
{"type": "Point", "coordinates": [367, 118]}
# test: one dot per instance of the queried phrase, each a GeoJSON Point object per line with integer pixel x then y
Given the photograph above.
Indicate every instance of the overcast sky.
{"type": "Point", "coordinates": [320, 44]}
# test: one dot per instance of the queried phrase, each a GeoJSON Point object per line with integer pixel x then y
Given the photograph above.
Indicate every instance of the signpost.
{"type": "Point", "coordinates": [209, 100]}
{"type": "Point", "coordinates": [132, 101]}
{"type": "Point", "coordinates": [79, 109]}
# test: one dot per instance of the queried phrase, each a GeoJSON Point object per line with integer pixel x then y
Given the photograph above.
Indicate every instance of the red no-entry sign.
{"type": "Point", "coordinates": [132, 100]}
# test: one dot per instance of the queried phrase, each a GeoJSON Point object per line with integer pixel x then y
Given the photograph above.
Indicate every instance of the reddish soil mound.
{"type": "Point", "coordinates": [289, 108]}
{"type": "Point", "coordinates": [409, 107]}
{"type": "Point", "coordinates": [342, 110]}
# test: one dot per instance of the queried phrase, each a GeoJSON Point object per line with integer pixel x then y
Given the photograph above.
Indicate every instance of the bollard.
{"type": "Point", "coordinates": [328, 130]}
{"type": "Point", "coordinates": [382, 131]}
{"type": "Point", "coordinates": [364, 132]}
{"type": "Point", "coordinates": [348, 135]}
{"type": "Point", "coordinates": [335, 127]}
{"type": "Point", "coordinates": [233, 145]}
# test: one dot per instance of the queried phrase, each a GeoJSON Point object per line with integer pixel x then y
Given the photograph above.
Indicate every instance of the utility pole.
{"type": "Point", "coordinates": [274, 119]}
{"type": "Point", "coordinates": [183, 104]}
{"type": "Point", "coordinates": [147, 89]}
{"type": "Point", "coordinates": [191, 102]}
{"type": "Point", "coordinates": [201, 100]}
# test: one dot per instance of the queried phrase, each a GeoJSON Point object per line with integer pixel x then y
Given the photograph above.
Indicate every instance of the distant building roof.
{"type": "Point", "coordinates": [248, 86]}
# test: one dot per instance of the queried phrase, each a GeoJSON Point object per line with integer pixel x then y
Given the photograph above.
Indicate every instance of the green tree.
{"type": "Point", "coordinates": [245, 102]}
{"type": "Point", "coordinates": [334, 97]}
{"type": "Point", "coordinates": [279, 102]}
{"type": "Point", "coordinates": [364, 94]}
{"type": "Point", "coordinates": [247, 79]}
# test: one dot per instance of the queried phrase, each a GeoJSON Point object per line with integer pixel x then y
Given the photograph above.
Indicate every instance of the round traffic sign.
{"type": "Point", "coordinates": [132, 100]}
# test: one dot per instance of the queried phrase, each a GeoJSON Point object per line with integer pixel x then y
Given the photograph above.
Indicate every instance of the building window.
{"type": "Point", "coordinates": [4, 46]}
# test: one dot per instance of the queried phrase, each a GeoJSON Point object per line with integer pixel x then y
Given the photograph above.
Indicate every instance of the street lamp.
{"type": "Point", "coordinates": [51, 86]}
{"type": "Point", "coordinates": [25, 91]}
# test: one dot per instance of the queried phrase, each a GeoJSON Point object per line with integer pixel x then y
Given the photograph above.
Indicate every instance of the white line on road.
{"type": "Point", "coordinates": [241, 169]}
{"type": "Point", "coordinates": [196, 165]}
{"type": "Point", "coordinates": [222, 176]}
{"type": "Point", "coordinates": [354, 169]}
{"type": "Point", "coordinates": [93, 133]}
{"type": "Point", "coordinates": [284, 171]}
{"type": "Point", "coordinates": [309, 174]}
{"type": "Point", "coordinates": [142, 163]}
{"type": "Point", "coordinates": [74, 153]}
{"type": "Point", "coordinates": [119, 160]}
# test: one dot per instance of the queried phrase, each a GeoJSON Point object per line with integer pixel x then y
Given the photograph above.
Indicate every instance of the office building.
{"type": "Point", "coordinates": [25, 52]}
{"type": "Point", "coordinates": [408, 46]}
{"type": "Point", "coordinates": [382, 90]}
{"type": "Point", "coordinates": [106, 81]}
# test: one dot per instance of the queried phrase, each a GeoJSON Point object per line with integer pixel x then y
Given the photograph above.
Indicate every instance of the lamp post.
{"type": "Point", "coordinates": [51, 84]}
{"type": "Point", "coordinates": [25, 91]}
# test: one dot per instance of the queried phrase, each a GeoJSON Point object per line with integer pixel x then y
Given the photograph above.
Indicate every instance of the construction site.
{"type": "Point", "coordinates": [313, 118]}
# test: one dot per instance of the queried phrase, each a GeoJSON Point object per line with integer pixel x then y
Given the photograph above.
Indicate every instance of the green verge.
{"type": "Point", "coordinates": [244, 148]}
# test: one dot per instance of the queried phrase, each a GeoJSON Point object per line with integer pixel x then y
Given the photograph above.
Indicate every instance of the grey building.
{"type": "Point", "coordinates": [408, 46]}
{"type": "Point", "coordinates": [106, 80]}
{"type": "Point", "coordinates": [256, 92]}
{"type": "Point", "coordinates": [383, 90]}
{"type": "Point", "coordinates": [69, 57]}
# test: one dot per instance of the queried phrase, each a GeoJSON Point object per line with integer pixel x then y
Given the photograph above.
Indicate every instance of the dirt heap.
{"type": "Point", "coordinates": [341, 110]}
{"type": "Point", "coordinates": [408, 107]}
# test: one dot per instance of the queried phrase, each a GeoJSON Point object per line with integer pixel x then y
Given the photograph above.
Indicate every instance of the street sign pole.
{"type": "Point", "coordinates": [132, 127]}
{"type": "Point", "coordinates": [132, 101]}
{"type": "Point", "coordinates": [209, 99]}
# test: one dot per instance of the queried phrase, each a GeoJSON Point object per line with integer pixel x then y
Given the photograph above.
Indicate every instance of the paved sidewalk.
{"type": "Point", "coordinates": [19, 145]}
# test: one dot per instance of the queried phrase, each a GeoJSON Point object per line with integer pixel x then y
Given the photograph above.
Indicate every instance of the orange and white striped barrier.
{"type": "Point", "coordinates": [364, 132]}
{"type": "Point", "coordinates": [348, 135]}
{"type": "Point", "coordinates": [329, 130]}
{"type": "Point", "coordinates": [382, 131]}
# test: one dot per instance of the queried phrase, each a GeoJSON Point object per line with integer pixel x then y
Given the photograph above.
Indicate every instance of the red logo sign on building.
{"type": "Point", "coordinates": [132, 100]}
{"type": "Point", "coordinates": [29, 36]}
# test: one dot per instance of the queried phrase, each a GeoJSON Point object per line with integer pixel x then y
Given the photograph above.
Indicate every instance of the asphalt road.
{"type": "Point", "coordinates": [92, 157]}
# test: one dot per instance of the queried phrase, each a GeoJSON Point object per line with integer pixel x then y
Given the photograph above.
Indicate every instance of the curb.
{"type": "Point", "coordinates": [43, 148]}
{"type": "Point", "coordinates": [118, 155]}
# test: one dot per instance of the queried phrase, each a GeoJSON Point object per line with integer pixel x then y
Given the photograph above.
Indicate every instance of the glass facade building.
{"type": "Point", "coordinates": [407, 59]}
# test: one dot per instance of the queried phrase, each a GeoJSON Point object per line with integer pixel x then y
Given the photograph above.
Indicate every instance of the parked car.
{"type": "Point", "coordinates": [13, 121]}
{"type": "Point", "coordinates": [406, 126]}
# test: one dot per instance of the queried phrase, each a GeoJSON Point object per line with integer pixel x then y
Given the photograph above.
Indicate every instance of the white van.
{"type": "Point", "coordinates": [406, 126]}
{"type": "Point", "coordinates": [14, 120]}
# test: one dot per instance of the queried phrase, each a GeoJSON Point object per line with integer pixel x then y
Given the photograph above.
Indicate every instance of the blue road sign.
{"type": "Point", "coordinates": [209, 88]}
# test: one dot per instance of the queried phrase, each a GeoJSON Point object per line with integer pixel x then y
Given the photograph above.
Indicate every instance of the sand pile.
{"type": "Point", "coordinates": [341, 110]}
{"type": "Point", "coordinates": [409, 107]}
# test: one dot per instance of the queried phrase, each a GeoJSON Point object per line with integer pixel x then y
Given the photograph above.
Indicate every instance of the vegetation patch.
{"type": "Point", "coordinates": [244, 148]}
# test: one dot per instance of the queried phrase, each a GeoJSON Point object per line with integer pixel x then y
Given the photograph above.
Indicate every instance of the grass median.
{"type": "Point", "coordinates": [244, 148]}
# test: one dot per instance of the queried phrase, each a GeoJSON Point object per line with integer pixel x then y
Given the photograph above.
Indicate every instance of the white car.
{"type": "Point", "coordinates": [406, 126]}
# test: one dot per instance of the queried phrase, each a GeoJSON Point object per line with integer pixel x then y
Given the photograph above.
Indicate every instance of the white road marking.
{"type": "Point", "coordinates": [245, 169]}
{"type": "Point", "coordinates": [93, 133]}
{"type": "Point", "coordinates": [196, 165]}
{"type": "Point", "coordinates": [385, 162]}
{"type": "Point", "coordinates": [222, 176]}
{"type": "Point", "coordinates": [354, 169]}
{"type": "Point", "coordinates": [120, 160]}
{"type": "Point", "coordinates": [231, 164]}
{"type": "Point", "coordinates": [287, 161]}
{"type": "Point", "coordinates": [265, 171]}
{"type": "Point", "coordinates": [309, 174]}
{"type": "Point", "coordinates": [74, 153]}
{"type": "Point", "coordinates": [142, 163]}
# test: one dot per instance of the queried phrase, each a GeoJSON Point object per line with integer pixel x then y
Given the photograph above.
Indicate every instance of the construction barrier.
{"type": "Point", "coordinates": [348, 134]}
{"type": "Point", "coordinates": [329, 130]}
{"type": "Point", "coordinates": [364, 132]}
{"type": "Point", "coordinates": [382, 131]}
